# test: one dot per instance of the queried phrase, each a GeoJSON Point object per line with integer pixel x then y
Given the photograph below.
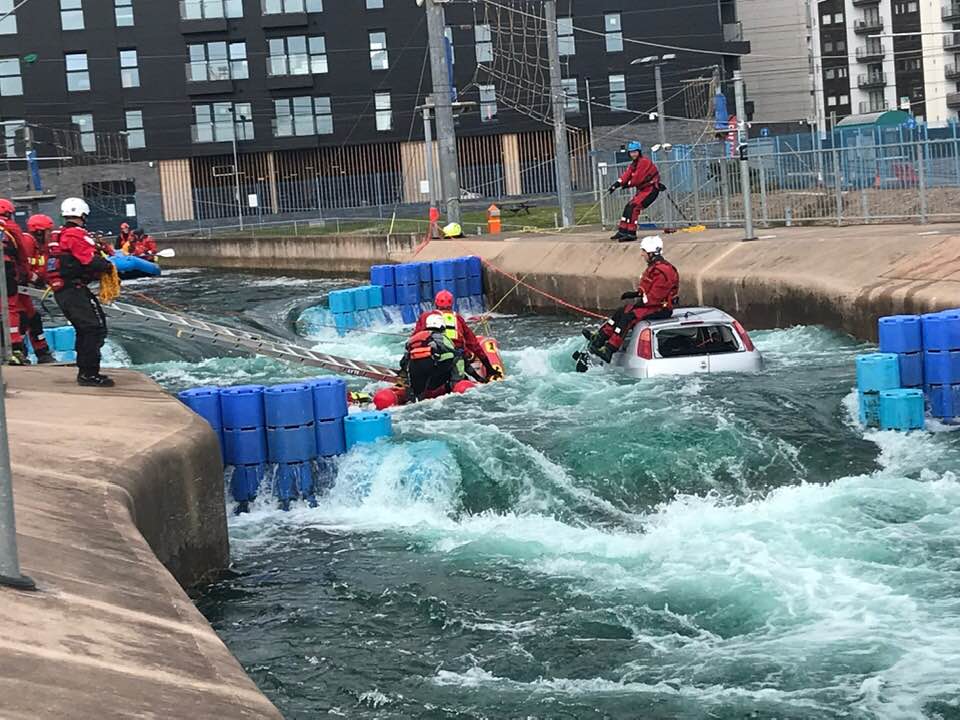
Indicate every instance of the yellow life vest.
{"type": "Point", "coordinates": [450, 323]}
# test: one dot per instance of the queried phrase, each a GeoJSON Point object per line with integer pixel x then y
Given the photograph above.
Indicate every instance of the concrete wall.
{"type": "Point", "coordinates": [332, 255]}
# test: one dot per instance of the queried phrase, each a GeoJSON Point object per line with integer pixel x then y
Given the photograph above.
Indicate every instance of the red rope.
{"type": "Point", "coordinates": [559, 301]}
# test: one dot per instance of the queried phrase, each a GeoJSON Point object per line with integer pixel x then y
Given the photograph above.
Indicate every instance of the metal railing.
{"type": "Point", "coordinates": [870, 52]}
{"type": "Point", "coordinates": [950, 12]}
{"type": "Point", "coordinates": [867, 106]}
{"type": "Point", "coordinates": [210, 9]}
{"type": "Point", "coordinates": [872, 80]}
{"type": "Point", "coordinates": [872, 183]}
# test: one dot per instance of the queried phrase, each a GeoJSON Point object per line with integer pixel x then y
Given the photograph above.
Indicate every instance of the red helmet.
{"type": "Point", "coordinates": [444, 300]}
{"type": "Point", "coordinates": [37, 223]}
{"type": "Point", "coordinates": [6, 207]}
{"type": "Point", "coordinates": [124, 226]}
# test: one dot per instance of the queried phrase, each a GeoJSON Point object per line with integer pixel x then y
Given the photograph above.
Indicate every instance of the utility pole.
{"type": "Point", "coordinates": [742, 144]}
{"type": "Point", "coordinates": [594, 170]}
{"type": "Point", "coordinates": [443, 104]}
{"type": "Point", "coordinates": [662, 130]}
{"type": "Point", "coordinates": [428, 152]}
{"type": "Point", "coordinates": [236, 166]}
{"type": "Point", "coordinates": [561, 148]}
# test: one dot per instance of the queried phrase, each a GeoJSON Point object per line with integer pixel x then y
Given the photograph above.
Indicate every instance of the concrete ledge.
{"type": "Point", "coordinates": [119, 495]}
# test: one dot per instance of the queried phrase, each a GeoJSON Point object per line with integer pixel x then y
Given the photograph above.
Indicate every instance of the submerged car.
{"type": "Point", "coordinates": [694, 340]}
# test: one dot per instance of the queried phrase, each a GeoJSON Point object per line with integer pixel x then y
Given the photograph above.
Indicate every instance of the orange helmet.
{"type": "Point", "coordinates": [444, 300]}
{"type": "Point", "coordinates": [36, 223]}
{"type": "Point", "coordinates": [6, 207]}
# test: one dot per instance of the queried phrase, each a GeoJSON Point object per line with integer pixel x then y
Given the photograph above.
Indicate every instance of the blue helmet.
{"type": "Point", "coordinates": [634, 146]}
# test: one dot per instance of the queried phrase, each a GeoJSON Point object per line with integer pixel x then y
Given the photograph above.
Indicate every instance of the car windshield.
{"type": "Point", "coordinates": [696, 340]}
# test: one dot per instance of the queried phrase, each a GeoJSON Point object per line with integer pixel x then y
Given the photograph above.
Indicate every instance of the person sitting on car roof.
{"type": "Point", "coordinates": [654, 299]}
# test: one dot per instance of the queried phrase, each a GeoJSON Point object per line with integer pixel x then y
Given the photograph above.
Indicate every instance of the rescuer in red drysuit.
{"type": "Point", "coordinates": [644, 177]}
{"type": "Point", "coordinates": [459, 332]}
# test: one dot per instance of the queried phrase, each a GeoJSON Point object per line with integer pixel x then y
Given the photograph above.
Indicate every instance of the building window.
{"type": "Point", "coordinates": [10, 130]}
{"type": "Point", "coordinates": [565, 40]}
{"type": "Point", "coordinates": [10, 81]}
{"type": "Point", "coordinates": [374, 4]}
{"type": "Point", "coordinates": [279, 7]}
{"type": "Point", "coordinates": [297, 55]}
{"type": "Point", "coordinates": [484, 43]}
{"type": "Point", "coordinates": [378, 50]}
{"type": "Point", "coordinates": [222, 122]}
{"type": "Point", "coordinates": [84, 125]}
{"type": "Point", "coordinates": [8, 26]}
{"type": "Point", "coordinates": [842, 72]}
{"type": "Point", "coordinates": [381, 101]}
{"type": "Point", "coordinates": [827, 47]}
{"type": "Point", "coordinates": [831, 101]}
{"type": "Point", "coordinates": [905, 8]}
{"type": "Point", "coordinates": [840, 46]}
{"type": "Point", "coordinates": [129, 69]}
{"type": "Point", "coordinates": [208, 9]}
{"type": "Point", "coordinates": [571, 94]}
{"type": "Point", "coordinates": [825, 20]}
{"type": "Point", "coordinates": [488, 103]}
{"type": "Point", "coordinates": [838, 19]}
{"type": "Point", "coordinates": [829, 74]}
{"type": "Point", "coordinates": [123, 11]}
{"type": "Point", "coordinates": [71, 14]}
{"type": "Point", "coordinates": [78, 73]}
{"type": "Point", "coordinates": [613, 32]}
{"type": "Point", "coordinates": [136, 140]}
{"type": "Point", "coordinates": [844, 100]}
{"type": "Point", "coordinates": [448, 35]}
{"type": "Point", "coordinates": [618, 92]}
{"type": "Point", "coordinates": [303, 116]}
{"type": "Point", "coordinates": [217, 61]}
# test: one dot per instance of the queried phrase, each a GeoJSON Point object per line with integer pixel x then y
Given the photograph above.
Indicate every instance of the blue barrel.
{"type": "Point", "coordinates": [246, 446]}
{"type": "Point", "coordinates": [461, 288]}
{"type": "Point", "coordinates": [389, 295]}
{"type": "Point", "coordinates": [900, 334]}
{"type": "Point", "coordinates": [474, 286]}
{"type": "Point", "coordinates": [444, 270]}
{"type": "Point", "coordinates": [953, 328]}
{"type": "Point", "coordinates": [329, 398]}
{"type": "Point", "coordinates": [869, 409]}
{"type": "Point", "coordinates": [877, 372]}
{"type": "Point", "coordinates": [360, 298]}
{"type": "Point", "coordinates": [341, 301]}
{"type": "Point", "coordinates": [426, 292]}
{"type": "Point", "coordinates": [407, 274]}
{"type": "Point", "coordinates": [382, 275]}
{"type": "Point", "coordinates": [936, 331]}
{"type": "Point", "coordinates": [366, 427]}
{"type": "Point", "coordinates": [374, 296]}
{"type": "Point", "coordinates": [911, 369]}
{"type": "Point", "coordinates": [330, 438]}
{"type": "Point", "coordinates": [292, 444]}
{"type": "Point", "coordinates": [245, 482]}
{"type": "Point", "coordinates": [65, 339]}
{"type": "Point", "coordinates": [242, 406]}
{"type": "Point", "coordinates": [450, 285]}
{"type": "Point", "coordinates": [205, 402]}
{"type": "Point", "coordinates": [293, 480]}
{"type": "Point", "coordinates": [408, 294]}
{"type": "Point", "coordinates": [426, 272]}
{"type": "Point", "coordinates": [941, 367]}
{"type": "Point", "coordinates": [902, 409]}
{"type": "Point", "coordinates": [343, 322]}
{"type": "Point", "coordinates": [944, 400]}
{"type": "Point", "coordinates": [461, 268]}
{"type": "Point", "coordinates": [409, 313]}
{"type": "Point", "coordinates": [474, 266]}
{"type": "Point", "coordinates": [288, 405]}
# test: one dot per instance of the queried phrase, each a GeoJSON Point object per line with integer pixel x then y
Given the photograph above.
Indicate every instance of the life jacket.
{"type": "Point", "coordinates": [423, 346]}
{"type": "Point", "coordinates": [450, 324]}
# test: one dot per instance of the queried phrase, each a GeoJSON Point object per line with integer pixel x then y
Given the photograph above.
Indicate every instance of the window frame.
{"type": "Point", "coordinates": [14, 79]}
{"type": "Point", "coordinates": [378, 52]}
{"type": "Point", "coordinates": [619, 94]}
{"type": "Point", "coordinates": [381, 111]}
{"type": "Point", "coordinates": [73, 10]}
{"type": "Point", "coordinates": [134, 131]}
{"type": "Point", "coordinates": [613, 39]}
{"type": "Point", "coordinates": [129, 71]}
{"type": "Point", "coordinates": [483, 46]}
{"type": "Point", "coordinates": [83, 134]}
{"type": "Point", "coordinates": [488, 104]}
{"type": "Point", "coordinates": [83, 72]}
{"type": "Point", "coordinates": [119, 19]}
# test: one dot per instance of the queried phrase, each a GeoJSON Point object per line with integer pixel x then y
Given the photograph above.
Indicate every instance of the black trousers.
{"type": "Point", "coordinates": [427, 376]}
{"type": "Point", "coordinates": [82, 309]}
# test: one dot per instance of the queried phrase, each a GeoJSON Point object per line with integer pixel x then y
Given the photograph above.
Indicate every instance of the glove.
{"type": "Point", "coordinates": [616, 186]}
{"type": "Point", "coordinates": [661, 187]}
{"type": "Point", "coordinates": [630, 295]}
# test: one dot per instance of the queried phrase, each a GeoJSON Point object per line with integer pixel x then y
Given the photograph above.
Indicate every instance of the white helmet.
{"type": "Point", "coordinates": [652, 244]}
{"type": "Point", "coordinates": [434, 322]}
{"type": "Point", "coordinates": [74, 208]}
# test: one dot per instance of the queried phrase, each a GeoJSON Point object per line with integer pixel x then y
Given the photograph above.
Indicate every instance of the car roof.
{"type": "Point", "coordinates": [692, 316]}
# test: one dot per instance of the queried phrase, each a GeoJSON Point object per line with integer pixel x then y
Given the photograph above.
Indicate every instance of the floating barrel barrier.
{"type": "Point", "coordinates": [944, 401]}
{"type": "Point", "coordinates": [941, 331]}
{"type": "Point", "coordinates": [902, 409]}
{"type": "Point", "coordinates": [205, 402]}
{"type": "Point", "coordinates": [877, 372]}
{"type": "Point", "coordinates": [330, 407]}
{"type": "Point", "coordinates": [242, 406]}
{"type": "Point", "coordinates": [941, 367]}
{"type": "Point", "coordinates": [357, 307]}
{"type": "Point", "coordinates": [901, 334]}
{"type": "Point", "coordinates": [911, 369]}
{"type": "Point", "coordinates": [367, 427]}
{"type": "Point", "coordinates": [869, 409]}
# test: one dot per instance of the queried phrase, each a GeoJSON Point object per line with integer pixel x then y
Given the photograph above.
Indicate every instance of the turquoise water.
{"type": "Point", "coordinates": [583, 546]}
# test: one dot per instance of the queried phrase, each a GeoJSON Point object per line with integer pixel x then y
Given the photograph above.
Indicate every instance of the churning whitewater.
{"type": "Point", "coordinates": [588, 546]}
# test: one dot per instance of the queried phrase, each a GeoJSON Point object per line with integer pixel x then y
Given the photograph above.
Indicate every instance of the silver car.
{"type": "Point", "coordinates": [694, 340]}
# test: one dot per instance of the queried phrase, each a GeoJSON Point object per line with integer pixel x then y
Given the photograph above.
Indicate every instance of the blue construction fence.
{"type": "Point", "coordinates": [283, 440]}
{"type": "Point", "coordinates": [917, 371]}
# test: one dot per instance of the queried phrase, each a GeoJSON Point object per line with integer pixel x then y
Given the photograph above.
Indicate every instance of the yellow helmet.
{"type": "Point", "coordinates": [453, 230]}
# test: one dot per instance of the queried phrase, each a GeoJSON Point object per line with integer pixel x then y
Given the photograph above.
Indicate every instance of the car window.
{"type": "Point", "coordinates": [696, 340]}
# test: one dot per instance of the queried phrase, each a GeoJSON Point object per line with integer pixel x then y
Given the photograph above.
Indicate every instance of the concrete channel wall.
{"type": "Point", "coordinates": [119, 506]}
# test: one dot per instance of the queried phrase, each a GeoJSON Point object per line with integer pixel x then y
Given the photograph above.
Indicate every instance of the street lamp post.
{"type": "Point", "coordinates": [236, 162]}
{"type": "Point", "coordinates": [657, 61]}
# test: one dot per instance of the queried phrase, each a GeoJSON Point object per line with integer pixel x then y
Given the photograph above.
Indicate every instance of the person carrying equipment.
{"type": "Point", "coordinates": [430, 363]}
{"type": "Point", "coordinates": [15, 271]}
{"type": "Point", "coordinates": [74, 261]}
{"type": "Point", "coordinates": [464, 339]}
{"type": "Point", "coordinates": [644, 177]}
{"type": "Point", "coordinates": [654, 300]}
{"type": "Point", "coordinates": [34, 246]}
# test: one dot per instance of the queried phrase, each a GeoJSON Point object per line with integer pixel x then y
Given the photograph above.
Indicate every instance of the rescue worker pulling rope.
{"type": "Point", "coordinates": [644, 177]}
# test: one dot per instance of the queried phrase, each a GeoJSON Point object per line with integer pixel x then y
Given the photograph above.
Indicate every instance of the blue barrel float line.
{"type": "Point", "coordinates": [367, 427]}
{"type": "Point", "coordinates": [902, 409]}
{"type": "Point", "coordinates": [244, 440]}
{"type": "Point", "coordinates": [291, 440]}
{"type": "Point", "coordinates": [205, 402]}
{"type": "Point", "coordinates": [876, 372]}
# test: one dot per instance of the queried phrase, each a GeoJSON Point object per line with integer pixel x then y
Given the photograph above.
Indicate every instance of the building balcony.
{"type": "Point", "coordinates": [952, 72]}
{"type": "Point", "coordinates": [951, 42]}
{"type": "Point", "coordinates": [951, 12]}
{"type": "Point", "coordinates": [953, 100]}
{"type": "Point", "coordinates": [870, 53]}
{"type": "Point", "coordinates": [200, 16]}
{"type": "Point", "coordinates": [869, 107]}
{"type": "Point", "coordinates": [872, 80]}
{"type": "Point", "coordinates": [285, 19]}
{"type": "Point", "coordinates": [870, 26]}
{"type": "Point", "coordinates": [865, 3]}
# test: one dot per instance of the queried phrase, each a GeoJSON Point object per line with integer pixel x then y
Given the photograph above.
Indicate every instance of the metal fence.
{"type": "Point", "coordinates": [868, 183]}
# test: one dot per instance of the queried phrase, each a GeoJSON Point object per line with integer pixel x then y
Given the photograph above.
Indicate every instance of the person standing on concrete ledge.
{"type": "Point", "coordinates": [644, 177]}
{"type": "Point", "coordinates": [73, 263]}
